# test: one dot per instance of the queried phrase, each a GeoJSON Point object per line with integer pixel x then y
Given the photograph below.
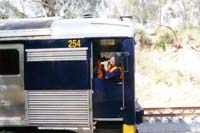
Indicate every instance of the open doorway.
{"type": "Point", "coordinates": [107, 98]}
{"type": "Point", "coordinates": [103, 51]}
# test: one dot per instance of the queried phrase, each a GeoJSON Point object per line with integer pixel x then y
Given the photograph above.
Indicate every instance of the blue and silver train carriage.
{"type": "Point", "coordinates": [48, 75]}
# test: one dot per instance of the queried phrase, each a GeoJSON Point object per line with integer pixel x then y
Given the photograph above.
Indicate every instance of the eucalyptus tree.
{"type": "Point", "coordinates": [142, 11]}
{"type": "Point", "coordinates": [8, 10]}
{"type": "Point", "coordinates": [64, 8]}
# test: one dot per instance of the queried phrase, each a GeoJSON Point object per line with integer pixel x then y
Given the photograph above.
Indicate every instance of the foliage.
{"type": "Point", "coordinates": [51, 8]}
{"type": "Point", "coordinates": [64, 8]}
{"type": "Point", "coordinates": [146, 12]}
{"type": "Point", "coordinates": [144, 40]}
{"type": "Point", "coordinates": [7, 10]}
{"type": "Point", "coordinates": [141, 10]}
{"type": "Point", "coordinates": [165, 40]}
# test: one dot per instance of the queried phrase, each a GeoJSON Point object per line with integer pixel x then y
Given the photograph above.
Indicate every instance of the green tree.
{"type": "Point", "coordinates": [69, 8]}
{"type": "Point", "coordinates": [7, 10]}
{"type": "Point", "coordinates": [142, 11]}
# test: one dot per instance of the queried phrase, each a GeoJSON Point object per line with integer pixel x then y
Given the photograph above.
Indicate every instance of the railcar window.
{"type": "Point", "coordinates": [109, 46]}
{"type": "Point", "coordinates": [9, 62]}
{"type": "Point", "coordinates": [106, 42]}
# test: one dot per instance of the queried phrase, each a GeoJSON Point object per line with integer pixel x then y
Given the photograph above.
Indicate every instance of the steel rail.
{"type": "Point", "coordinates": [171, 111]}
{"type": "Point", "coordinates": [173, 108]}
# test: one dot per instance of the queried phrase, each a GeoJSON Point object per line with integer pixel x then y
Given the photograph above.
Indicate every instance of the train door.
{"type": "Point", "coordinates": [12, 109]}
{"type": "Point", "coordinates": [107, 97]}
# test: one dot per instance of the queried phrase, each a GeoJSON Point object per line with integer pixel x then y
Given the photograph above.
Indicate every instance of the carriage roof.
{"type": "Point", "coordinates": [63, 28]}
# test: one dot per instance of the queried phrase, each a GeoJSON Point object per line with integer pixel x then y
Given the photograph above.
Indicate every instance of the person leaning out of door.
{"type": "Point", "coordinates": [113, 71]}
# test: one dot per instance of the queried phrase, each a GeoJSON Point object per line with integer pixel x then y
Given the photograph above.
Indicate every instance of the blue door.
{"type": "Point", "coordinates": [114, 99]}
{"type": "Point", "coordinates": [107, 97]}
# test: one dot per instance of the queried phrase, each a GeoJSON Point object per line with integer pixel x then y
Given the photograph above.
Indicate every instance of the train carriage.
{"type": "Point", "coordinates": [48, 75]}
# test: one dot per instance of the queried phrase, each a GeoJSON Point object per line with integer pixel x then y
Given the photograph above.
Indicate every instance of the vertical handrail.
{"type": "Point", "coordinates": [123, 55]}
{"type": "Point", "coordinates": [123, 87]}
{"type": "Point", "coordinates": [91, 66]}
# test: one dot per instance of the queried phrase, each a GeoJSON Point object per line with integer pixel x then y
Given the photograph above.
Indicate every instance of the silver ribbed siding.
{"type": "Point", "coordinates": [68, 109]}
{"type": "Point", "coordinates": [56, 54]}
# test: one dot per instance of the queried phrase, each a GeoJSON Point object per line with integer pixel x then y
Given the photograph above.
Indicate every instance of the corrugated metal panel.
{"type": "Point", "coordinates": [56, 54]}
{"type": "Point", "coordinates": [59, 109]}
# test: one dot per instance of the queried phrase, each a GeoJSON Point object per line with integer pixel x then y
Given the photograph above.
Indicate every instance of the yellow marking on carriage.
{"type": "Point", "coordinates": [129, 128]}
{"type": "Point", "coordinates": [74, 43]}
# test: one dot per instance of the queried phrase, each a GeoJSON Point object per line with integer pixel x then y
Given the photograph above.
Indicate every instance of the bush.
{"type": "Point", "coordinates": [165, 40]}
{"type": "Point", "coordinates": [143, 39]}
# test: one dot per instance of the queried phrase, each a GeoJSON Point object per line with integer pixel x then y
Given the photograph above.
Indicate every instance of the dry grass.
{"type": "Point", "coordinates": [170, 78]}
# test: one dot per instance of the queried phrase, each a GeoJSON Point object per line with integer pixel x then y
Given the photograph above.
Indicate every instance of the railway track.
{"type": "Point", "coordinates": [172, 112]}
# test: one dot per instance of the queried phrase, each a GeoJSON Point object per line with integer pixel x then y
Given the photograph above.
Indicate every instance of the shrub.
{"type": "Point", "coordinates": [143, 39]}
{"type": "Point", "coordinates": [165, 40]}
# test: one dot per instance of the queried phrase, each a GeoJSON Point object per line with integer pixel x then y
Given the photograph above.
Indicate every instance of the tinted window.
{"type": "Point", "coordinates": [9, 62]}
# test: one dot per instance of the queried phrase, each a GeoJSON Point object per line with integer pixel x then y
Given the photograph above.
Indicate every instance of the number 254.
{"type": "Point", "coordinates": [74, 43]}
